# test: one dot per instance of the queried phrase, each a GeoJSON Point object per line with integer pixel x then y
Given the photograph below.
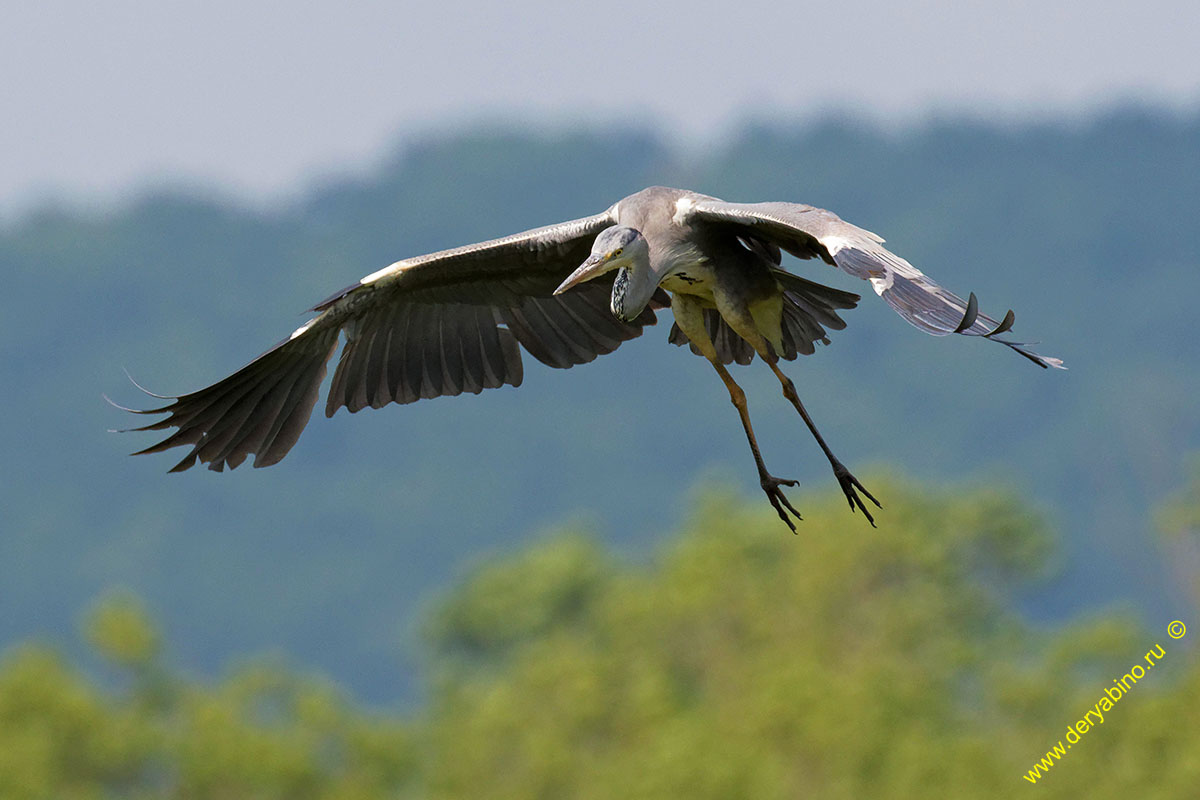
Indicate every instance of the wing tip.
{"type": "Point", "coordinates": [144, 390]}
{"type": "Point", "coordinates": [1045, 362]}
{"type": "Point", "coordinates": [118, 406]}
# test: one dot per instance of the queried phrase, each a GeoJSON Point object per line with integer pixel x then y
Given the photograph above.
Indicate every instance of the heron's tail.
{"type": "Point", "coordinates": [808, 308]}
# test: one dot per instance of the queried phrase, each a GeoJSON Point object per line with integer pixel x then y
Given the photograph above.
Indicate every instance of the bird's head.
{"type": "Point", "coordinates": [626, 250]}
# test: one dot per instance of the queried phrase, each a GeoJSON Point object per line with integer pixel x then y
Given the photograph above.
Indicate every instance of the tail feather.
{"type": "Point", "coordinates": [808, 309]}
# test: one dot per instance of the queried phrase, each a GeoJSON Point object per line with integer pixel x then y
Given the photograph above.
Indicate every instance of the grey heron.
{"type": "Point", "coordinates": [455, 321]}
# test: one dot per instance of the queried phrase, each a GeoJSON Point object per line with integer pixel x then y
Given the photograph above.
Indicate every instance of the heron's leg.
{"type": "Point", "coordinates": [769, 483]}
{"type": "Point", "coordinates": [845, 479]}
{"type": "Point", "coordinates": [760, 323]}
{"type": "Point", "coordinates": [689, 315]}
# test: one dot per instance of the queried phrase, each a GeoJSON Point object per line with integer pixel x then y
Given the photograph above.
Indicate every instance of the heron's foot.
{"type": "Point", "coordinates": [770, 484]}
{"type": "Point", "coordinates": [849, 483]}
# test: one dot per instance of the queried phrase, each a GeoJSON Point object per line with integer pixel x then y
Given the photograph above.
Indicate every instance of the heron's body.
{"type": "Point", "coordinates": [706, 267]}
{"type": "Point", "coordinates": [686, 254]}
{"type": "Point", "coordinates": [456, 321]}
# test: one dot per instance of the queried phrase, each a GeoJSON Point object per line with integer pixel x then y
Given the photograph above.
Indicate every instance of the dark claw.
{"type": "Point", "coordinates": [848, 483]}
{"type": "Point", "coordinates": [779, 501]}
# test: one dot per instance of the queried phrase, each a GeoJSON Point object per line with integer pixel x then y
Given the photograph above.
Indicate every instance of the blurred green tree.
{"type": "Point", "coordinates": [262, 732]}
{"type": "Point", "coordinates": [738, 662]}
{"type": "Point", "coordinates": [743, 663]}
{"type": "Point", "coordinates": [1179, 522]}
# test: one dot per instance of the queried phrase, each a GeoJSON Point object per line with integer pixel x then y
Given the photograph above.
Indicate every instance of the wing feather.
{"type": "Point", "coordinates": [397, 387]}
{"type": "Point", "coordinates": [290, 424]}
{"type": "Point", "coordinates": [431, 357]}
{"type": "Point", "coordinates": [414, 348]}
{"type": "Point", "coordinates": [469, 351]}
{"type": "Point", "coordinates": [491, 355]}
{"type": "Point", "coordinates": [450, 352]}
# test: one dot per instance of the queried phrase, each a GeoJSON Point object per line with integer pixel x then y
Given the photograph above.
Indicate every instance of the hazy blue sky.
{"type": "Point", "coordinates": [99, 98]}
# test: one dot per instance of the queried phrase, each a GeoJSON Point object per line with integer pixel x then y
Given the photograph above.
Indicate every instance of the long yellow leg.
{"type": "Point", "coordinates": [758, 324]}
{"type": "Point", "coordinates": [769, 483]}
{"type": "Point", "coordinates": [689, 316]}
{"type": "Point", "coordinates": [845, 479]}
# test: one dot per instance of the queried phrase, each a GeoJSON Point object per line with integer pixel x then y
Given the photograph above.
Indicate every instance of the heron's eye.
{"type": "Point", "coordinates": [616, 252]}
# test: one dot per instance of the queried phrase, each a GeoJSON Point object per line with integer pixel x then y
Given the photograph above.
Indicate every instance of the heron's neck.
{"type": "Point", "coordinates": [619, 304]}
{"type": "Point", "coordinates": [633, 287]}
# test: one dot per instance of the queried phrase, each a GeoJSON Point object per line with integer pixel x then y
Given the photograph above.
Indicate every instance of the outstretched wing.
{"type": "Point", "coordinates": [806, 231]}
{"type": "Point", "coordinates": [439, 324]}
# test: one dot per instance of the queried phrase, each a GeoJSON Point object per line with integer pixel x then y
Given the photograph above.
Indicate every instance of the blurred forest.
{"type": "Point", "coordinates": [329, 559]}
{"type": "Point", "coordinates": [738, 661]}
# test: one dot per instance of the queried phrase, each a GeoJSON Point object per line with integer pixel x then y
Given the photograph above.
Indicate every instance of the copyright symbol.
{"type": "Point", "coordinates": [1176, 630]}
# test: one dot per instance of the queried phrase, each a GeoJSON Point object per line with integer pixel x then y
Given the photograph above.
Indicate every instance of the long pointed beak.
{"type": "Point", "coordinates": [593, 267]}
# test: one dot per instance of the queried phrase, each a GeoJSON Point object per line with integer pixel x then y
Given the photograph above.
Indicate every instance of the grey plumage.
{"type": "Point", "coordinates": [455, 321]}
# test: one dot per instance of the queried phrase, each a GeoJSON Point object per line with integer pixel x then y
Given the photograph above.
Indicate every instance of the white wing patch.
{"type": "Point", "coordinates": [834, 244]}
{"type": "Point", "coordinates": [881, 283]}
{"type": "Point", "coordinates": [390, 269]}
{"type": "Point", "coordinates": [300, 331]}
{"type": "Point", "coordinates": [683, 207]}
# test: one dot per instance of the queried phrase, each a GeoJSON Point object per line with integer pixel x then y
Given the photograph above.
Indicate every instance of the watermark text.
{"type": "Point", "coordinates": [1094, 716]}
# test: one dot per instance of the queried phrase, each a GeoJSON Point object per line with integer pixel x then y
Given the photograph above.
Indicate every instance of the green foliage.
{"type": "Point", "coordinates": [1179, 521]}
{"type": "Point", "coordinates": [120, 629]}
{"type": "Point", "coordinates": [739, 661]}
{"type": "Point", "coordinates": [61, 738]}
{"type": "Point", "coordinates": [262, 733]}
{"type": "Point", "coordinates": [1180, 516]}
{"type": "Point", "coordinates": [850, 662]}
{"type": "Point", "coordinates": [509, 604]}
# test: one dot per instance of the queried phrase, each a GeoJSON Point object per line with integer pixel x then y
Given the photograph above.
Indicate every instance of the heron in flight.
{"type": "Point", "coordinates": [455, 321]}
